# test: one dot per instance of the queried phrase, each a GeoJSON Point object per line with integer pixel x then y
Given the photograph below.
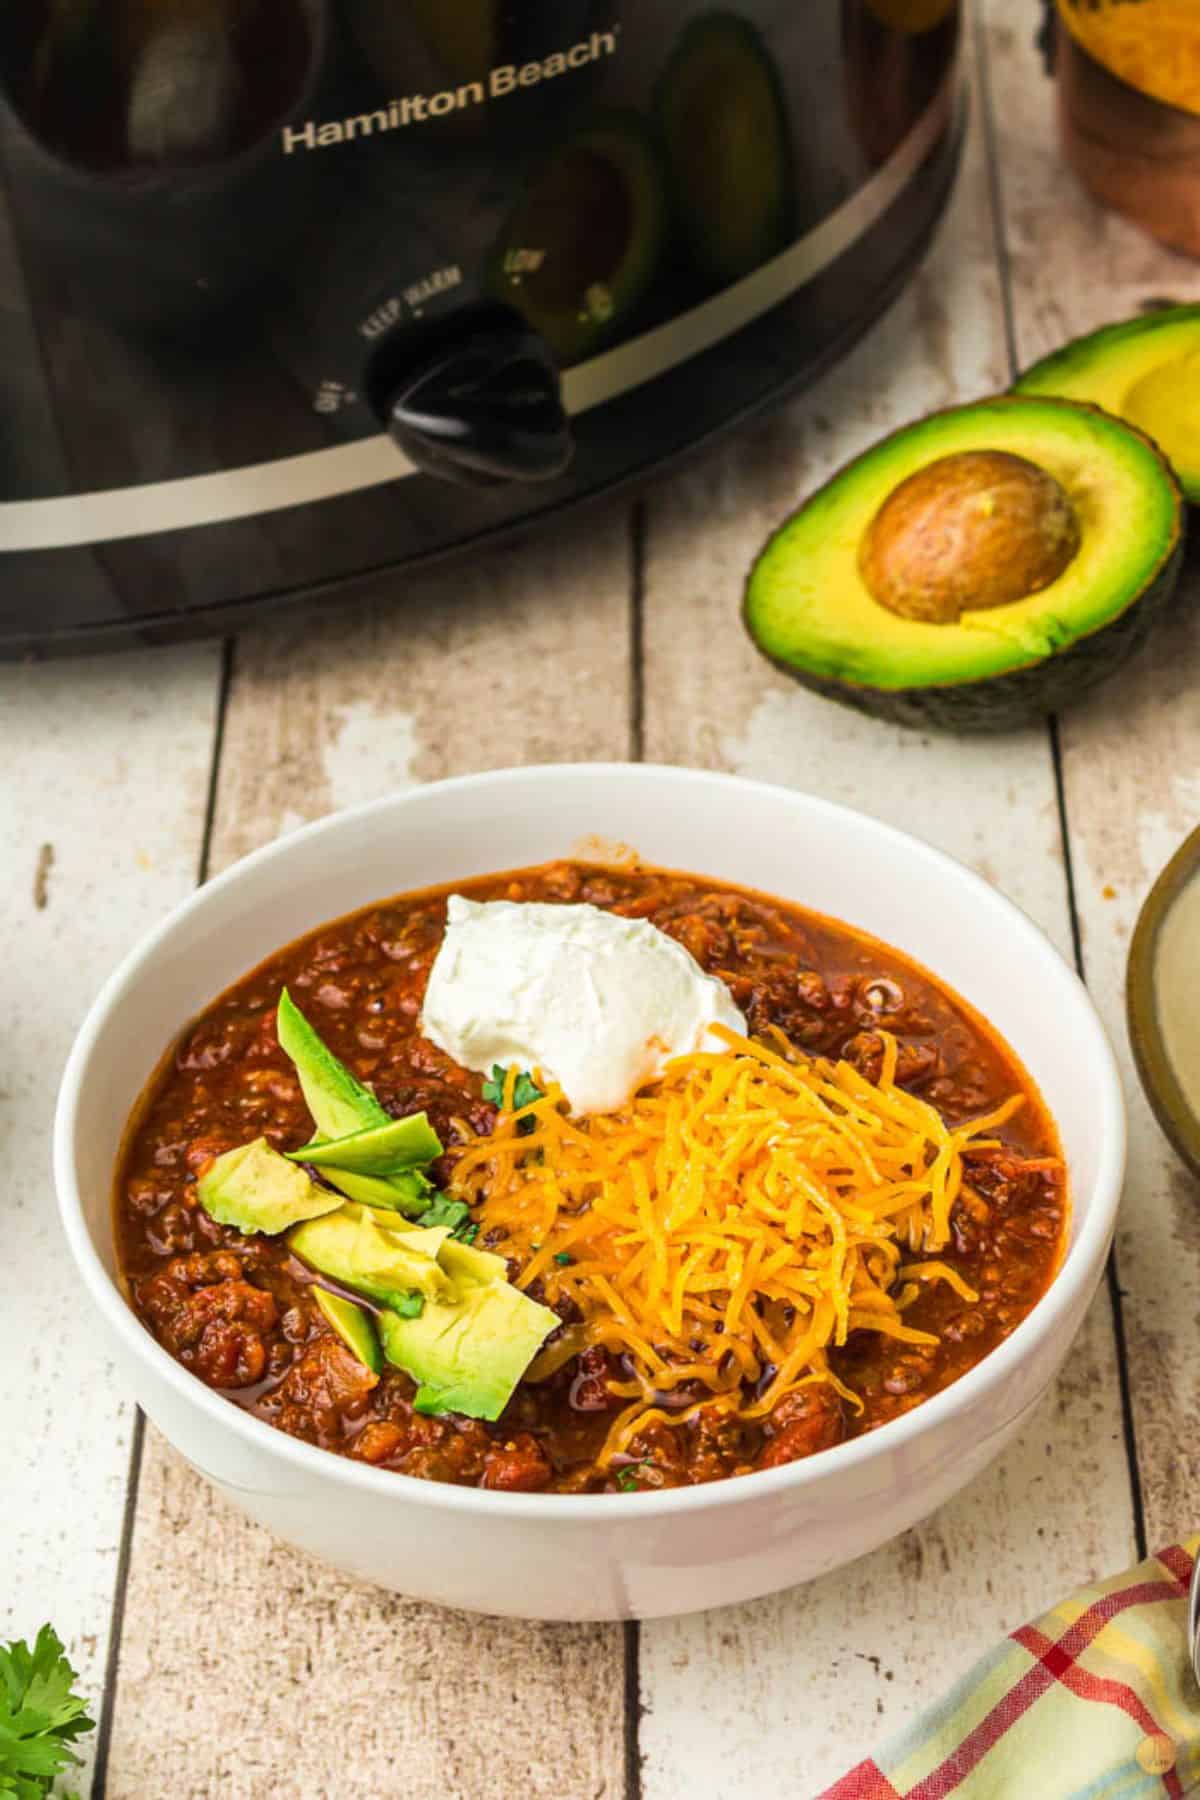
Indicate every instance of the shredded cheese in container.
{"type": "Point", "coordinates": [727, 1226]}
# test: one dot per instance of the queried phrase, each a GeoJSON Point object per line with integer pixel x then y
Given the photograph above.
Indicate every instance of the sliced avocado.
{"type": "Point", "coordinates": [584, 242]}
{"type": "Point", "coordinates": [342, 1107]}
{"type": "Point", "coordinates": [723, 118]}
{"type": "Point", "coordinates": [356, 1247]}
{"type": "Point", "coordinates": [465, 1264]}
{"type": "Point", "coordinates": [381, 1150]}
{"type": "Point", "coordinates": [409, 1193]}
{"type": "Point", "coordinates": [462, 1262]}
{"type": "Point", "coordinates": [988, 662]}
{"type": "Point", "coordinates": [338, 1103]}
{"type": "Point", "coordinates": [1146, 370]}
{"type": "Point", "coordinates": [254, 1188]}
{"type": "Point", "coordinates": [353, 1325]}
{"type": "Point", "coordinates": [468, 1356]}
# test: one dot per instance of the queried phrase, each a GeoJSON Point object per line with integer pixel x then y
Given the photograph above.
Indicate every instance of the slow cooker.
{"type": "Point", "coordinates": [295, 290]}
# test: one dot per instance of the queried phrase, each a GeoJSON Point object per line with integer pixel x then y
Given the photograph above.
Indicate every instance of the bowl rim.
{"type": "Point", "coordinates": [1089, 1248]}
{"type": "Point", "coordinates": [1176, 1117]}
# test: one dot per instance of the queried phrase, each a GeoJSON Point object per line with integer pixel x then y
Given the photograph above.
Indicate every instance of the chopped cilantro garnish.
{"type": "Point", "coordinates": [409, 1306]}
{"type": "Point", "coordinates": [454, 1213]}
{"type": "Point", "coordinates": [40, 1716]}
{"type": "Point", "coordinates": [525, 1088]}
{"type": "Point", "coordinates": [627, 1478]}
{"type": "Point", "coordinates": [442, 1211]}
{"type": "Point", "coordinates": [563, 1257]}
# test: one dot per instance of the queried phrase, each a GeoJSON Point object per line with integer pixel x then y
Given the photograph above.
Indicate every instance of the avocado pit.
{"type": "Point", "coordinates": [974, 530]}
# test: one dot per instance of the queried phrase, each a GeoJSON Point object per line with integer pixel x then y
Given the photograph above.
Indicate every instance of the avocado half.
{"type": "Point", "coordinates": [808, 607]}
{"type": "Point", "coordinates": [1146, 370]}
{"type": "Point", "coordinates": [723, 120]}
{"type": "Point", "coordinates": [595, 214]}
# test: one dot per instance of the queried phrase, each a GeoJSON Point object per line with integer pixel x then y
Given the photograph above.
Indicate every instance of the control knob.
{"type": "Point", "coordinates": [483, 411]}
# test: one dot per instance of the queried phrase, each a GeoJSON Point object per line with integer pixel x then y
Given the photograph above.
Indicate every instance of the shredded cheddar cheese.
{"type": "Point", "coordinates": [729, 1225]}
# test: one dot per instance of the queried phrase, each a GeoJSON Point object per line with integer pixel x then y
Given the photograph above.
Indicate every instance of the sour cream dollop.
{"type": "Point", "coordinates": [598, 1003]}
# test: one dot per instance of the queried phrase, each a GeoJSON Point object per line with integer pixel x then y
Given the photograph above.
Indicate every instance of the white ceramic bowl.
{"type": "Point", "coordinates": [605, 1556]}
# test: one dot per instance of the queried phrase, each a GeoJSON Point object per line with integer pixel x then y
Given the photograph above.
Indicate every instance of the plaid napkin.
{"type": "Point", "coordinates": [1096, 1701]}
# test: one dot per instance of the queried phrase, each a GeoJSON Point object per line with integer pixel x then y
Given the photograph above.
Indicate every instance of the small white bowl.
{"type": "Point", "coordinates": [605, 1556]}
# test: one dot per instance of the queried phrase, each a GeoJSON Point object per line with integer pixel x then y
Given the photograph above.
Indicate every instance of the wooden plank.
{"type": "Point", "coordinates": [241, 1658]}
{"type": "Point", "coordinates": [782, 1695]}
{"type": "Point", "coordinates": [102, 807]}
{"type": "Point", "coordinates": [1131, 755]}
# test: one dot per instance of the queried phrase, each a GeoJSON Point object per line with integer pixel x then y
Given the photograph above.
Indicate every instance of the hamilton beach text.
{"type": "Point", "coordinates": [413, 109]}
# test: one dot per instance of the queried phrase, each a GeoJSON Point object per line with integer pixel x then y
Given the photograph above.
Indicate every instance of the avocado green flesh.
{"type": "Point", "coordinates": [354, 1248]}
{"type": "Point", "coordinates": [382, 1150]}
{"type": "Point", "coordinates": [458, 1328]}
{"type": "Point", "coordinates": [808, 607]}
{"type": "Point", "coordinates": [596, 213]}
{"type": "Point", "coordinates": [1146, 370]}
{"type": "Point", "coordinates": [254, 1188]}
{"type": "Point", "coordinates": [462, 1262]}
{"type": "Point", "coordinates": [353, 1325]}
{"type": "Point", "coordinates": [468, 1357]}
{"type": "Point", "coordinates": [339, 1104]}
{"type": "Point", "coordinates": [343, 1108]}
{"type": "Point", "coordinates": [409, 1193]}
{"type": "Point", "coordinates": [728, 146]}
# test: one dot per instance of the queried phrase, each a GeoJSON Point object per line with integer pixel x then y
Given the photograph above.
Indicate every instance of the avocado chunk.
{"type": "Point", "coordinates": [1100, 544]}
{"type": "Point", "coordinates": [254, 1188]}
{"type": "Point", "coordinates": [1147, 371]}
{"type": "Point", "coordinates": [724, 124]}
{"type": "Point", "coordinates": [357, 1248]}
{"type": "Point", "coordinates": [381, 1150]}
{"type": "Point", "coordinates": [468, 1356]}
{"type": "Point", "coordinates": [353, 1325]}
{"type": "Point", "coordinates": [463, 1263]}
{"type": "Point", "coordinates": [339, 1104]}
{"type": "Point", "coordinates": [467, 1266]}
{"type": "Point", "coordinates": [583, 244]}
{"type": "Point", "coordinates": [341, 1108]}
{"type": "Point", "coordinates": [409, 1193]}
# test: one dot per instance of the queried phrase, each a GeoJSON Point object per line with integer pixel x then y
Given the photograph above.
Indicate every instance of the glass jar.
{"type": "Point", "coordinates": [1129, 107]}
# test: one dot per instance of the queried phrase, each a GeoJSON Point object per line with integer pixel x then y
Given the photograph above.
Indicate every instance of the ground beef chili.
{"type": "Point", "coordinates": [238, 1311]}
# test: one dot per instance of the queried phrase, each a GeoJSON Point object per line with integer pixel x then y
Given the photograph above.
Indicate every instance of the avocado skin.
{"type": "Point", "coordinates": [1022, 697]}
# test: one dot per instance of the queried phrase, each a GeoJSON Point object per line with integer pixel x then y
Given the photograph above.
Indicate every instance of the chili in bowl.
{"type": "Point", "coordinates": [592, 1237]}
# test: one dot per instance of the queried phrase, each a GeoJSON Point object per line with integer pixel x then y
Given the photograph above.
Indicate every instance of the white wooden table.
{"type": "Point", "coordinates": [233, 1666]}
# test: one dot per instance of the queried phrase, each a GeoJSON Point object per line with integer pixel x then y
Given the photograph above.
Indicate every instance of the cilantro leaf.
{"type": "Point", "coordinates": [493, 1089]}
{"type": "Point", "coordinates": [525, 1088]}
{"type": "Point", "coordinates": [40, 1715]}
{"type": "Point", "coordinates": [408, 1306]}
{"type": "Point", "coordinates": [443, 1211]}
{"type": "Point", "coordinates": [454, 1213]}
{"type": "Point", "coordinates": [563, 1257]}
